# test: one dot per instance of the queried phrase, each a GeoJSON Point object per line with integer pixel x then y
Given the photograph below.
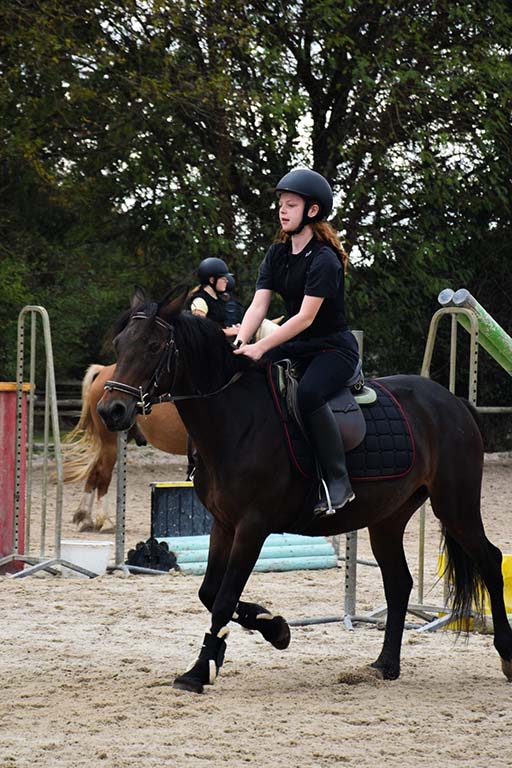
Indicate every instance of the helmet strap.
{"type": "Point", "coordinates": [305, 218]}
{"type": "Point", "coordinates": [213, 286]}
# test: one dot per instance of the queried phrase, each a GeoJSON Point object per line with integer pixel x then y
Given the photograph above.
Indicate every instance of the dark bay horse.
{"type": "Point", "coordinates": [246, 479]}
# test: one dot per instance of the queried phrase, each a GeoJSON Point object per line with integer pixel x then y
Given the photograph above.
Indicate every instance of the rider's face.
{"type": "Point", "coordinates": [221, 284]}
{"type": "Point", "coordinates": [291, 208]}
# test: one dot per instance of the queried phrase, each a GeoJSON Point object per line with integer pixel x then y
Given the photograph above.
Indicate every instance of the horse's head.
{"type": "Point", "coordinates": [162, 351]}
{"type": "Point", "coordinates": [146, 350]}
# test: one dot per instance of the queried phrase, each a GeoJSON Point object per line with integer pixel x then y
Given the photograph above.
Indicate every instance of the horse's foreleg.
{"type": "Point", "coordinates": [83, 515]}
{"type": "Point", "coordinates": [274, 629]}
{"type": "Point", "coordinates": [249, 615]}
{"type": "Point", "coordinates": [244, 552]}
{"type": "Point", "coordinates": [219, 550]}
{"type": "Point", "coordinates": [387, 545]}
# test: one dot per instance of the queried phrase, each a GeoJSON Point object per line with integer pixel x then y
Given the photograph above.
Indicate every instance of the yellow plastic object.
{"type": "Point", "coordinates": [506, 569]}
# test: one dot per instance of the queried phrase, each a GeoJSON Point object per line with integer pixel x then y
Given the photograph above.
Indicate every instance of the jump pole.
{"type": "Point", "coordinates": [120, 527]}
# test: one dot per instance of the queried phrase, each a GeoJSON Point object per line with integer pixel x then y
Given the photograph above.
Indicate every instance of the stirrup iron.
{"type": "Point", "coordinates": [330, 510]}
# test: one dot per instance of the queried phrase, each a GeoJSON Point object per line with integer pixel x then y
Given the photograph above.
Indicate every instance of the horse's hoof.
{"type": "Point", "coordinates": [385, 671]}
{"type": "Point", "coordinates": [190, 684]}
{"type": "Point", "coordinates": [107, 526]}
{"type": "Point", "coordinates": [376, 671]}
{"type": "Point", "coordinates": [281, 635]}
{"type": "Point", "coordinates": [79, 516]}
{"type": "Point", "coordinates": [507, 669]}
{"type": "Point", "coordinates": [87, 525]}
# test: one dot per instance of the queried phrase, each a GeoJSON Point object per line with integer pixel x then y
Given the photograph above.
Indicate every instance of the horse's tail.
{"type": "Point", "coordinates": [466, 586]}
{"type": "Point", "coordinates": [81, 446]}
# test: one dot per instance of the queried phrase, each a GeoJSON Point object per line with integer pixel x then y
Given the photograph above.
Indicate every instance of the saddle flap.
{"type": "Point", "coordinates": [348, 414]}
{"type": "Point", "coordinates": [350, 418]}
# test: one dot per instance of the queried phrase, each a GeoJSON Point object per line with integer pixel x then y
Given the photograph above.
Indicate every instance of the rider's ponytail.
{"type": "Point", "coordinates": [325, 231]}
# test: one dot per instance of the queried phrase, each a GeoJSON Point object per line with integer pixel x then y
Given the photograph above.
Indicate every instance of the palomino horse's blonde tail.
{"type": "Point", "coordinates": [82, 445]}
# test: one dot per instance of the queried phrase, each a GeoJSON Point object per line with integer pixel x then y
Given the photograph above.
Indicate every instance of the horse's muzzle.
{"type": "Point", "coordinates": [117, 414]}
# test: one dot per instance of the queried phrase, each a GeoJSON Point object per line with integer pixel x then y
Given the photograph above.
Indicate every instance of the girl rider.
{"type": "Point", "coordinates": [206, 300]}
{"type": "Point", "coordinates": [307, 268]}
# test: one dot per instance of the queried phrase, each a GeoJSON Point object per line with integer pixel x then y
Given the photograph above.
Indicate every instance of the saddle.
{"type": "Point", "coordinates": [376, 434]}
{"type": "Point", "coordinates": [345, 405]}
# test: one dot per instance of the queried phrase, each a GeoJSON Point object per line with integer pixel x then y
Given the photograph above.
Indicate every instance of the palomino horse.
{"type": "Point", "coordinates": [246, 479]}
{"type": "Point", "coordinates": [93, 455]}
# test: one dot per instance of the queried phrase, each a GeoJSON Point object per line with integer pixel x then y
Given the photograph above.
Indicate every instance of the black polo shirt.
{"type": "Point", "coordinates": [216, 307]}
{"type": "Point", "coordinates": [315, 271]}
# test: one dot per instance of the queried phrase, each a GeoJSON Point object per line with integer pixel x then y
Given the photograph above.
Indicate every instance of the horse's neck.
{"type": "Point", "coordinates": [218, 424]}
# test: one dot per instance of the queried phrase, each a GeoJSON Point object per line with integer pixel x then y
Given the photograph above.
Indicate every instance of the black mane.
{"type": "Point", "coordinates": [205, 352]}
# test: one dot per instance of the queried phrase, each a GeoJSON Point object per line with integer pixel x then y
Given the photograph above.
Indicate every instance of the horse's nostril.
{"type": "Point", "coordinates": [113, 414]}
{"type": "Point", "coordinates": [117, 411]}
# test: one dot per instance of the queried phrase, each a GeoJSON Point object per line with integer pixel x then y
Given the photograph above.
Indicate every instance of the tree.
{"type": "Point", "coordinates": [139, 135]}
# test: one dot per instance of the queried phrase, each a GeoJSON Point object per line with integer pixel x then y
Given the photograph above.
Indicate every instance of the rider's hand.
{"type": "Point", "coordinates": [232, 330]}
{"type": "Point", "coordinates": [253, 351]}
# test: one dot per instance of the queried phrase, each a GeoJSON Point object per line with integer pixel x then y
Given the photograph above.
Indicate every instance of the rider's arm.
{"type": "Point", "coordinates": [295, 325]}
{"type": "Point", "coordinates": [254, 315]}
{"type": "Point", "coordinates": [199, 307]}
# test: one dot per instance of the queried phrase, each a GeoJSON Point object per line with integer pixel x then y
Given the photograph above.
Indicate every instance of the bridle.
{"type": "Point", "coordinates": [170, 355]}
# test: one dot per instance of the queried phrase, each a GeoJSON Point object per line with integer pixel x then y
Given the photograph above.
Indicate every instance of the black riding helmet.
{"type": "Point", "coordinates": [312, 187]}
{"type": "Point", "coordinates": [231, 283]}
{"type": "Point", "coordinates": [212, 267]}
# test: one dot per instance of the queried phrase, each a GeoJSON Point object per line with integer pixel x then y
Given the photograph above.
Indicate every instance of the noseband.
{"type": "Point", "coordinates": [170, 354]}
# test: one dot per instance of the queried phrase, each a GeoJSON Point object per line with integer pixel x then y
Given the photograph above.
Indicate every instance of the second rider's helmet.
{"type": "Point", "coordinates": [212, 267]}
{"type": "Point", "coordinates": [311, 186]}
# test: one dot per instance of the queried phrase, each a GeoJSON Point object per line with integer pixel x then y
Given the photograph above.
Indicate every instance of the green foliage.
{"type": "Point", "coordinates": [138, 137]}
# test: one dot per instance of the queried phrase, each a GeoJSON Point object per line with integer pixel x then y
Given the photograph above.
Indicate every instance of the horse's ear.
{"type": "Point", "coordinates": [171, 305]}
{"type": "Point", "coordinates": [138, 297]}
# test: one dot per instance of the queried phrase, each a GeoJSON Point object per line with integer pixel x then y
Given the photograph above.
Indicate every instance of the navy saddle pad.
{"type": "Point", "coordinates": [386, 452]}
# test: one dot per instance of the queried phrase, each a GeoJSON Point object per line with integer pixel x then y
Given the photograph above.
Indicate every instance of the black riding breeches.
{"type": "Point", "coordinates": [323, 378]}
{"type": "Point", "coordinates": [322, 375]}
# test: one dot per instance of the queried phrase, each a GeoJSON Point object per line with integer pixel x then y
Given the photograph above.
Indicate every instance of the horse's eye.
{"type": "Point", "coordinates": [153, 347]}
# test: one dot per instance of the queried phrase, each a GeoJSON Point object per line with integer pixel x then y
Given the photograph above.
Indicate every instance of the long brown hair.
{"type": "Point", "coordinates": [322, 230]}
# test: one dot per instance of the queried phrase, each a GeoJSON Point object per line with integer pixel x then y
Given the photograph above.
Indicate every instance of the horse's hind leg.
{"type": "Point", "coordinates": [98, 480]}
{"type": "Point", "coordinates": [387, 544]}
{"type": "Point", "coordinates": [472, 558]}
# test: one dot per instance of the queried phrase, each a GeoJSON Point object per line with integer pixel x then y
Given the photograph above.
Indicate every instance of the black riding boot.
{"type": "Point", "coordinates": [324, 434]}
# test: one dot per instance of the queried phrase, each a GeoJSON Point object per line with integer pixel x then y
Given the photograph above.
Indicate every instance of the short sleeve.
{"type": "Point", "coordinates": [325, 275]}
{"type": "Point", "coordinates": [266, 273]}
{"type": "Point", "coordinates": [200, 305]}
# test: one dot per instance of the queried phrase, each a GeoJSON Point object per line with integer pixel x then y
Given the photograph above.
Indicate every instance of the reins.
{"type": "Point", "coordinates": [170, 354]}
